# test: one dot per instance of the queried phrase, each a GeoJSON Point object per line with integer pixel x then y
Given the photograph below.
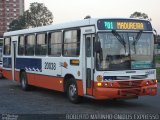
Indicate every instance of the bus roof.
{"type": "Point", "coordinates": [52, 27]}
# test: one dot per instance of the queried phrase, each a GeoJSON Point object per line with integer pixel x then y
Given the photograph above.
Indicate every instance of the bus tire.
{"type": "Point", "coordinates": [23, 81]}
{"type": "Point", "coordinates": [72, 91]}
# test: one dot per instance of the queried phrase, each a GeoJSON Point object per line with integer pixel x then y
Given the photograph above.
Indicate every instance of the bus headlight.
{"type": "Point", "coordinates": [99, 84]}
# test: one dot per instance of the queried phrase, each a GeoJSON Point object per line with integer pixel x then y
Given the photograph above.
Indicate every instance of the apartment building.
{"type": "Point", "coordinates": [9, 10]}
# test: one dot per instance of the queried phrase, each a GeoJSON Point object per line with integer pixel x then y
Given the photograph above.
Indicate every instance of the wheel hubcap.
{"type": "Point", "coordinates": [72, 90]}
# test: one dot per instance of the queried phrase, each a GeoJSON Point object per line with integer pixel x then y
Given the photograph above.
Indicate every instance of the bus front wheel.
{"type": "Point", "coordinates": [23, 81]}
{"type": "Point", "coordinates": [72, 91]}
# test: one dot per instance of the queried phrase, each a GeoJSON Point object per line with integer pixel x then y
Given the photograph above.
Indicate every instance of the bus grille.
{"type": "Point", "coordinates": [130, 92]}
{"type": "Point", "coordinates": [126, 84]}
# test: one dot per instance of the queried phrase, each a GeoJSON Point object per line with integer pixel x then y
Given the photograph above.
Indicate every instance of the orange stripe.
{"type": "Point", "coordinates": [53, 83]}
{"type": "Point", "coordinates": [7, 74]}
{"type": "Point", "coordinates": [49, 82]}
{"type": "Point", "coordinates": [110, 93]}
{"type": "Point", "coordinates": [80, 87]}
{"type": "Point", "coordinates": [17, 76]}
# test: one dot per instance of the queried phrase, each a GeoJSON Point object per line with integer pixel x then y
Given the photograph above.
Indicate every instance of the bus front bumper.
{"type": "Point", "coordinates": [124, 93]}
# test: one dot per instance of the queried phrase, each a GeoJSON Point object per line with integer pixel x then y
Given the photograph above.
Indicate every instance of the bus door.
{"type": "Point", "coordinates": [13, 55]}
{"type": "Point", "coordinates": [89, 40]}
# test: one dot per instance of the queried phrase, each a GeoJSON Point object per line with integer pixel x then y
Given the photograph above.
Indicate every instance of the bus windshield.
{"type": "Point", "coordinates": [124, 51]}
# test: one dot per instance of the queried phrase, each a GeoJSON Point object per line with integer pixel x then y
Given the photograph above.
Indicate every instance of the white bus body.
{"type": "Point", "coordinates": [65, 57]}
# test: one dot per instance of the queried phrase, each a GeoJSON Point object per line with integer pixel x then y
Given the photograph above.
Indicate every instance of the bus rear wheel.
{"type": "Point", "coordinates": [23, 81]}
{"type": "Point", "coordinates": [72, 92]}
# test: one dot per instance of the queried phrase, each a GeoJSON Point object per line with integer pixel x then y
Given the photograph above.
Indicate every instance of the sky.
{"type": "Point", "coordinates": [70, 10]}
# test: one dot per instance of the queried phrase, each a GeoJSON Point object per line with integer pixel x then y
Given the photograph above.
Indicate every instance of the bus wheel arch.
{"type": "Point", "coordinates": [22, 70]}
{"type": "Point", "coordinates": [70, 87]}
{"type": "Point", "coordinates": [66, 81]}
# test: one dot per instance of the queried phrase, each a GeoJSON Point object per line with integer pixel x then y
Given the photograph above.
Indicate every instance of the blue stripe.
{"type": "Point", "coordinates": [29, 64]}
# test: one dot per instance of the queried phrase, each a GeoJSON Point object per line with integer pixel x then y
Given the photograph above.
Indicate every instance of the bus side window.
{"type": "Point", "coordinates": [30, 45]}
{"type": "Point", "coordinates": [71, 46]}
{"type": "Point", "coordinates": [41, 44]}
{"type": "Point", "coordinates": [21, 45]}
{"type": "Point", "coordinates": [7, 46]}
{"type": "Point", "coordinates": [55, 44]}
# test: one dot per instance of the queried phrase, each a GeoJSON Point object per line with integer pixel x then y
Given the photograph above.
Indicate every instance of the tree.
{"type": "Point", "coordinates": [14, 25]}
{"type": "Point", "coordinates": [158, 39]}
{"type": "Point", "coordinates": [87, 17]}
{"type": "Point", "coordinates": [37, 15]}
{"type": "Point", "coordinates": [140, 15]}
{"type": "Point", "coordinates": [18, 24]}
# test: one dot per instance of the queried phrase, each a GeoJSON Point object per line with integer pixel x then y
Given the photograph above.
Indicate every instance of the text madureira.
{"type": "Point", "coordinates": [130, 25]}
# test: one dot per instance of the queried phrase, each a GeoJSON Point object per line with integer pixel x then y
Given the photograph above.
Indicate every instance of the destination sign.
{"type": "Point", "coordinates": [124, 24]}
{"type": "Point", "coordinates": [130, 25]}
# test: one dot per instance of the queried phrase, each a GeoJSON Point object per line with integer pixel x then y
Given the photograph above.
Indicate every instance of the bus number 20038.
{"type": "Point", "coordinates": [50, 66]}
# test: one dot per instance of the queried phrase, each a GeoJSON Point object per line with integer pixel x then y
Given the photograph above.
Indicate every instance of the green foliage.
{"type": "Point", "coordinates": [17, 24]}
{"type": "Point", "coordinates": [140, 15]}
{"type": "Point", "coordinates": [158, 74]}
{"type": "Point", "coordinates": [37, 15]}
{"type": "Point", "coordinates": [158, 39]}
{"type": "Point", "coordinates": [157, 59]}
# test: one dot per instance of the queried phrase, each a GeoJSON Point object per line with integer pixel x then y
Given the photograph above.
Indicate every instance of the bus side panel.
{"type": "Point", "coordinates": [43, 81]}
{"type": "Point", "coordinates": [7, 74]}
{"type": "Point", "coordinates": [80, 87]}
{"type": "Point", "coordinates": [17, 76]}
{"type": "Point", "coordinates": [49, 82]}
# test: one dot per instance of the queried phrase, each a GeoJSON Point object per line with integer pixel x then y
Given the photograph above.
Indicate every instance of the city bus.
{"type": "Point", "coordinates": [99, 58]}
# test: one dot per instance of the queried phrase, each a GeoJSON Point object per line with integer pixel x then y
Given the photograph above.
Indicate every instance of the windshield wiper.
{"type": "Point", "coordinates": [119, 38]}
{"type": "Point", "coordinates": [136, 39]}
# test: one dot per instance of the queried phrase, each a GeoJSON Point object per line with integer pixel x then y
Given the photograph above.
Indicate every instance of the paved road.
{"type": "Point", "coordinates": [40, 101]}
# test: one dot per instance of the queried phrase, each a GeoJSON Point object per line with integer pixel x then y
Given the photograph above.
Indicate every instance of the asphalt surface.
{"type": "Point", "coordinates": [13, 100]}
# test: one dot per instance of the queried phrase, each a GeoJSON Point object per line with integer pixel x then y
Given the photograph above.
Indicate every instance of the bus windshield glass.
{"type": "Point", "coordinates": [124, 51]}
